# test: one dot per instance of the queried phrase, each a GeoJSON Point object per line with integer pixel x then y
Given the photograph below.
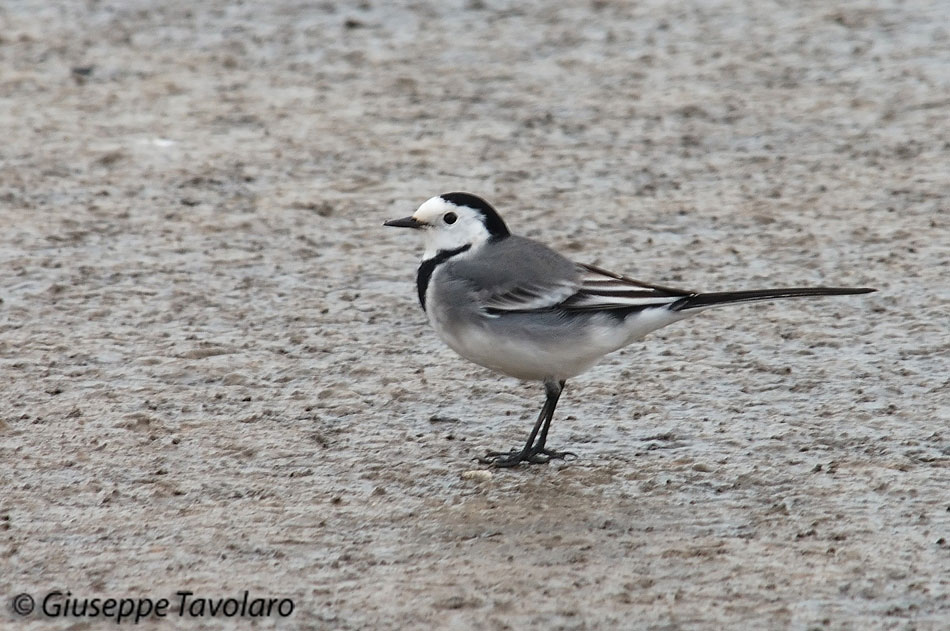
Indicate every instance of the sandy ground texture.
{"type": "Point", "coordinates": [216, 376]}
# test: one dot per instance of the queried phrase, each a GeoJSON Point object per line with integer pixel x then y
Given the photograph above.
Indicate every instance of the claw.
{"type": "Point", "coordinates": [558, 455]}
{"type": "Point", "coordinates": [532, 456]}
{"type": "Point", "coordinates": [503, 458]}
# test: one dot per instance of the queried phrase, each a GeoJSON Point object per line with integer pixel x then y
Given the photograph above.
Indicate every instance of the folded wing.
{"type": "Point", "coordinates": [601, 289]}
{"type": "Point", "coordinates": [591, 289]}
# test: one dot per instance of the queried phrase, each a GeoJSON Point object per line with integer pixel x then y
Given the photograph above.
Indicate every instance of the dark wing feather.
{"type": "Point", "coordinates": [604, 290]}
{"type": "Point", "coordinates": [592, 289]}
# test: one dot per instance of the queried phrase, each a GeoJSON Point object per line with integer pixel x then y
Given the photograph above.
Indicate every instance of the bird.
{"type": "Point", "coordinates": [515, 306]}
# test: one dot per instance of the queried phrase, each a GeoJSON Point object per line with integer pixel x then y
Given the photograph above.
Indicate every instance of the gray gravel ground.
{"type": "Point", "coordinates": [215, 375]}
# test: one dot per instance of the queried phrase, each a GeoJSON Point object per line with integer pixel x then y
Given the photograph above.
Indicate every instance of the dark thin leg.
{"type": "Point", "coordinates": [533, 453]}
{"type": "Point", "coordinates": [515, 456]}
{"type": "Point", "coordinates": [543, 436]}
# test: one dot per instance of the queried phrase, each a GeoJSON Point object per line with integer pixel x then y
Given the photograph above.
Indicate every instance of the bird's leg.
{"type": "Point", "coordinates": [516, 456]}
{"type": "Point", "coordinates": [553, 390]}
{"type": "Point", "coordinates": [532, 453]}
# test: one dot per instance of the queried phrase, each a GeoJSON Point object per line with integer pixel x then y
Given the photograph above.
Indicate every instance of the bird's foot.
{"type": "Point", "coordinates": [512, 458]}
{"type": "Point", "coordinates": [557, 455]}
{"type": "Point", "coordinates": [530, 456]}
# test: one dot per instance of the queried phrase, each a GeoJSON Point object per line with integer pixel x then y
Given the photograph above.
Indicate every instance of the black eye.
{"type": "Point", "coordinates": [449, 217]}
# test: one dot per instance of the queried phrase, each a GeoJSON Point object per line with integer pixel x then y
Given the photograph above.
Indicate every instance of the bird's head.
{"type": "Point", "coordinates": [454, 220]}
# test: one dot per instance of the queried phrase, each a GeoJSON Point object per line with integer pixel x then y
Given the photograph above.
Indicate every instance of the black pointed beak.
{"type": "Point", "coordinates": [405, 222]}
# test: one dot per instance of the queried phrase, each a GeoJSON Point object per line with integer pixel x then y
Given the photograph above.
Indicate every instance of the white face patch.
{"type": "Point", "coordinates": [449, 227]}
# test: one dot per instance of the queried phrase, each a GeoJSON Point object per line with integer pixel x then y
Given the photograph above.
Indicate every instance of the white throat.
{"type": "Point", "coordinates": [436, 243]}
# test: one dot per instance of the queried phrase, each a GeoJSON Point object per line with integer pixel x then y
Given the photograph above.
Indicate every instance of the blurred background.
{"type": "Point", "coordinates": [215, 374]}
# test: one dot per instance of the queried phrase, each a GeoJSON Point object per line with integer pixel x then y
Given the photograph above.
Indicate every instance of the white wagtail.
{"type": "Point", "coordinates": [515, 306]}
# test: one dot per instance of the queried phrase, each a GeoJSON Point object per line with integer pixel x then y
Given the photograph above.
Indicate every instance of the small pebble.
{"type": "Point", "coordinates": [477, 475]}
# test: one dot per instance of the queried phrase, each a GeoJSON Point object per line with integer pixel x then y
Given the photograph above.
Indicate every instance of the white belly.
{"type": "Point", "coordinates": [558, 351]}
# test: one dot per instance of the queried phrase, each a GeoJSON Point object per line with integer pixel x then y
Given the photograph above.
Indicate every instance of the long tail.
{"type": "Point", "coordinates": [697, 301]}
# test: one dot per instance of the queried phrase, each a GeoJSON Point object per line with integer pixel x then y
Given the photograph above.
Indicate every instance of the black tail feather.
{"type": "Point", "coordinates": [697, 301]}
